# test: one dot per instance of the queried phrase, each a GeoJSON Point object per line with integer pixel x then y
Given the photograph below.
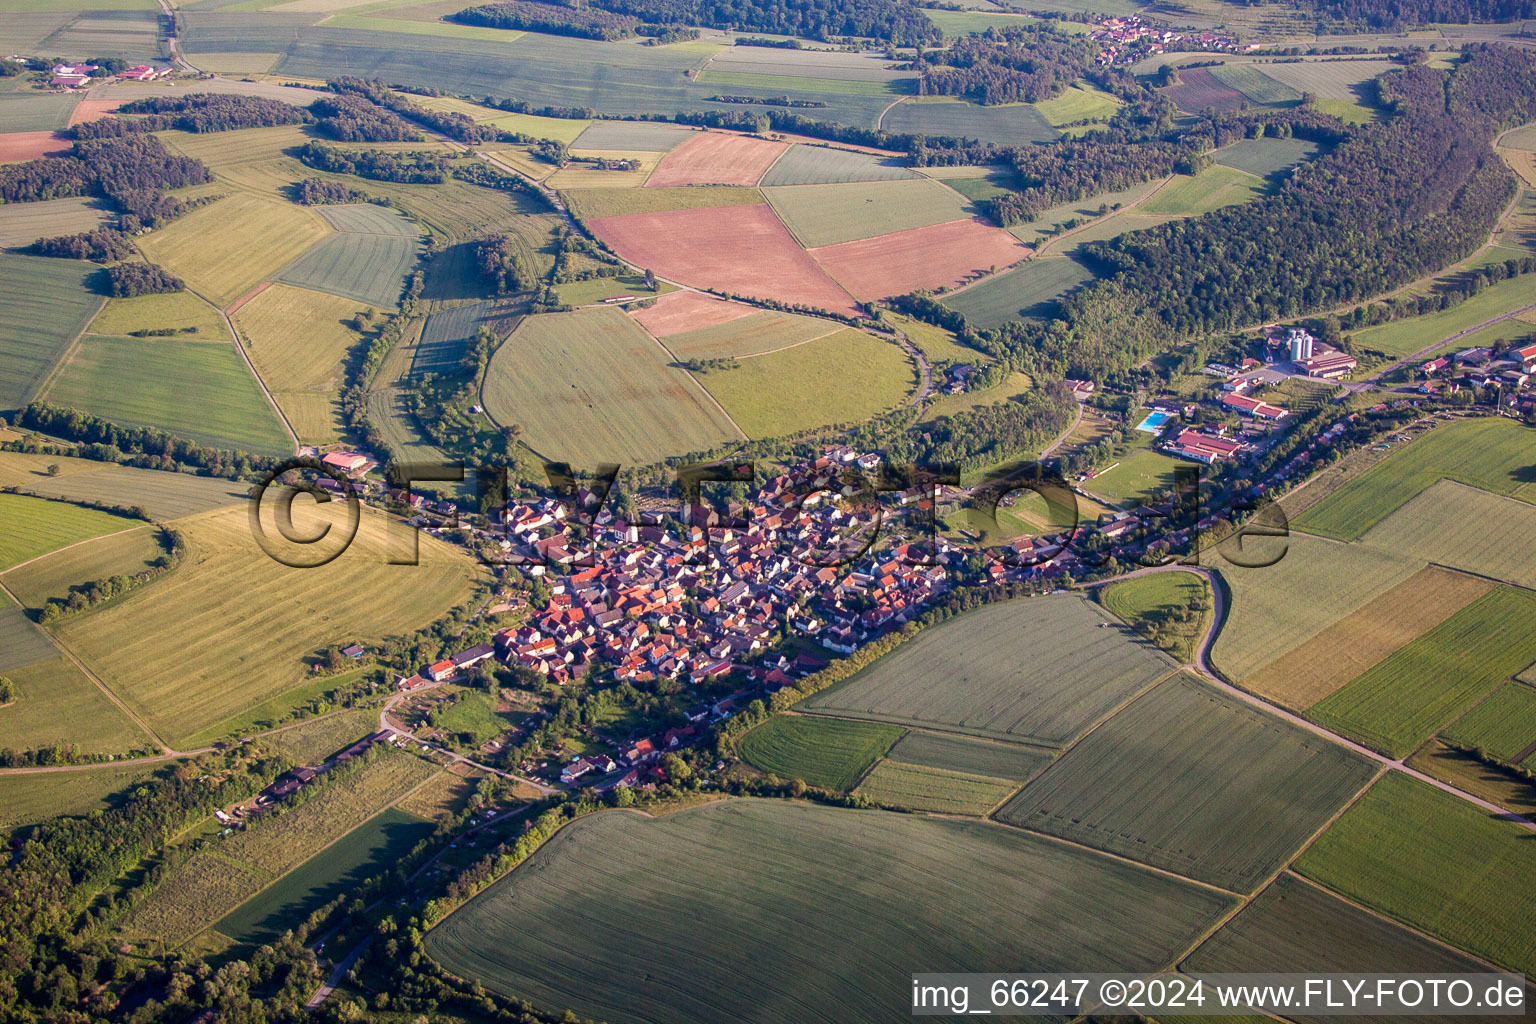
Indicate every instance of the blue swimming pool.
{"type": "Point", "coordinates": [1154, 422]}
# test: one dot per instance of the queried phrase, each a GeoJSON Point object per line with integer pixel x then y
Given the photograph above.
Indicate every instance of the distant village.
{"type": "Point", "coordinates": [1125, 40]}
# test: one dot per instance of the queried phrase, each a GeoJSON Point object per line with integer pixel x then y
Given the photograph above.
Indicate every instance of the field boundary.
{"type": "Point", "coordinates": [697, 383]}
{"type": "Point", "coordinates": [64, 357]}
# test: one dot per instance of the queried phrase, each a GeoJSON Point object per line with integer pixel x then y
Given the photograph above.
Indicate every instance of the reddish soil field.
{"type": "Point", "coordinates": [742, 250]}
{"type": "Point", "coordinates": [93, 110]}
{"type": "Point", "coordinates": [716, 158]}
{"type": "Point", "coordinates": [1199, 89]}
{"type": "Point", "coordinates": [18, 146]}
{"type": "Point", "coordinates": [676, 312]}
{"type": "Point", "coordinates": [932, 257]}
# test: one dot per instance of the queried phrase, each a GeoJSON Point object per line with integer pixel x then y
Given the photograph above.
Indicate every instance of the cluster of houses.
{"type": "Point", "coordinates": [1127, 39]}
{"type": "Point", "coordinates": [75, 76]}
{"type": "Point", "coordinates": [1513, 370]}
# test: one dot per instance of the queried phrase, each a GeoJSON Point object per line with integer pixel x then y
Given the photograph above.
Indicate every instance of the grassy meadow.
{"type": "Point", "coordinates": [122, 553]}
{"type": "Point", "coordinates": [56, 705]}
{"type": "Point", "coordinates": [1149, 599]}
{"type": "Point", "coordinates": [36, 526]}
{"type": "Point", "coordinates": [182, 312]}
{"type": "Point", "coordinates": [826, 752]}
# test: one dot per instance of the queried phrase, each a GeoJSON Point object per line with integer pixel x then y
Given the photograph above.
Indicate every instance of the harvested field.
{"type": "Point", "coordinates": [36, 526]}
{"type": "Point", "coordinates": [820, 215]}
{"type": "Point", "coordinates": [1400, 702]}
{"type": "Point", "coordinates": [645, 136]}
{"type": "Point", "coordinates": [163, 495]}
{"type": "Point", "coordinates": [1200, 90]}
{"type": "Point", "coordinates": [589, 203]}
{"type": "Point", "coordinates": [1314, 584]}
{"type": "Point", "coordinates": [24, 223]}
{"type": "Point", "coordinates": [827, 752]}
{"type": "Point", "coordinates": [1330, 79]}
{"type": "Point", "coordinates": [368, 219]}
{"type": "Point", "coordinates": [592, 387]}
{"type": "Point", "coordinates": [1311, 671]}
{"type": "Point", "coordinates": [16, 147]}
{"type": "Point", "coordinates": [278, 623]}
{"type": "Point", "coordinates": [751, 335]}
{"type": "Point", "coordinates": [368, 267]}
{"type": "Point", "coordinates": [824, 165]}
{"type": "Point", "coordinates": [754, 890]}
{"type": "Point", "coordinates": [93, 110]}
{"type": "Point", "coordinates": [172, 311]}
{"type": "Point", "coordinates": [968, 756]}
{"type": "Point", "coordinates": [1504, 724]}
{"type": "Point", "coordinates": [1490, 454]}
{"type": "Point", "coordinates": [1437, 863]}
{"type": "Point", "coordinates": [144, 382]}
{"type": "Point", "coordinates": [934, 257]}
{"type": "Point", "coordinates": [1211, 189]}
{"type": "Point", "coordinates": [685, 312]}
{"type": "Point", "coordinates": [592, 176]}
{"type": "Point", "coordinates": [740, 249]}
{"type": "Point", "coordinates": [44, 305]}
{"type": "Point", "coordinates": [1039, 670]}
{"type": "Point", "coordinates": [21, 643]}
{"type": "Point", "coordinates": [124, 553]}
{"type": "Point", "coordinates": [1031, 290]}
{"type": "Point", "coordinates": [716, 158]}
{"type": "Point", "coordinates": [1011, 124]}
{"type": "Point", "coordinates": [844, 377]}
{"type": "Point", "coordinates": [1433, 522]}
{"type": "Point", "coordinates": [933, 789]}
{"type": "Point", "coordinates": [56, 705]}
{"type": "Point", "coordinates": [1198, 783]}
{"type": "Point", "coordinates": [1255, 84]}
{"type": "Point", "coordinates": [225, 249]}
{"type": "Point", "coordinates": [26, 799]}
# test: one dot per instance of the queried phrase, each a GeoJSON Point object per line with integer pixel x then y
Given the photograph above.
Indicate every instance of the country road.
{"type": "Point", "coordinates": [1423, 352]}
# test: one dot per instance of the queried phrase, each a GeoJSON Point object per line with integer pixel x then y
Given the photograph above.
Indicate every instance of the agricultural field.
{"type": "Point", "coordinates": [1150, 598]}
{"type": "Point", "coordinates": [21, 643]}
{"type": "Point", "coordinates": [1038, 671]}
{"type": "Point", "coordinates": [950, 753]}
{"type": "Point", "coordinates": [56, 705]}
{"type": "Point", "coordinates": [825, 165]}
{"type": "Point", "coordinates": [1199, 90]}
{"type": "Point", "coordinates": [1078, 103]}
{"type": "Point", "coordinates": [1052, 219]}
{"type": "Point", "coordinates": [827, 752]}
{"type": "Point", "coordinates": [753, 890]}
{"type": "Point", "coordinates": [1504, 724]}
{"type": "Point", "coordinates": [34, 112]}
{"type": "Point", "coordinates": [368, 850]}
{"type": "Point", "coordinates": [751, 335]}
{"type": "Point", "coordinates": [446, 335]}
{"type": "Point", "coordinates": [298, 341]}
{"type": "Point", "coordinates": [741, 250]}
{"type": "Point", "coordinates": [130, 551]}
{"type": "Point", "coordinates": [1314, 583]}
{"type": "Point", "coordinates": [845, 377]}
{"type": "Point", "coordinates": [1030, 290]}
{"type": "Point", "coordinates": [592, 387]}
{"type": "Point", "coordinates": [557, 128]}
{"type": "Point", "coordinates": [1140, 476]}
{"type": "Point", "coordinates": [1012, 124]}
{"type": "Point", "coordinates": [597, 289]}
{"type": "Point", "coordinates": [1400, 702]}
{"type": "Point", "coordinates": [935, 257]}
{"type": "Point", "coordinates": [1473, 775]}
{"type": "Point", "coordinates": [226, 248]}
{"type": "Point", "coordinates": [933, 789]}
{"type": "Point", "coordinates": [1266, 156]}
{"type": "Point", "coordinates": [1185, 779]}
{"type": "Point", "coordinates": [1305, 674]}
{"type": "Point", "coordinates": [959, 23]}
{"type": "Point", "coordinates": [444, 794]}
{"type": "Point", "coordinates": [312, 741]}
{"type": "Point", "coordinates": [590, 203]}
{"type": "Point", "coordinates": [282, 617]}
{"type": "Point", "coordinates": [1402, 338]}
{"type": "Point", "coordinates": [685, 312]}
{"type": "Point", "coordinates": [1429, 521]}
{"type": "Point", "coordinates": [586, 176]}
{"type": "Point", "coordinates": [182, 312]}
{"type": "Point", "coordinates": [24, 223]}
{"type": "Point", "coordinates": [195, 893]}
{"type": "Point", "coordinates": [162, 495]}
{"type": "Point", "coordinates": [1436, 863]}
{"type": "Point", "coordinates": [1211, 189]}
{"type": "Point", "coordinates": [36, 526]}
{"type": "Point", "coordinates": [144, 382]}
{"type": "Point", "coordinates": [370, 267]}
{"type": "Point", "coordinates": [1487, 453]}
{"type": "Point", "coordinates": [716, 158]}
{"type": "Point", "coordinates": [935, 343]}
{"type": "Point", "coordinates": [1256, 85]}
{"type": "Point", "coordinates": [1339, 80]}
{"type": "Point", "coordinates": [25, 799]}
{"type": "Point", "coordinates": [643, 136]}
{"type": "Point", "coordinates": [16, 147]}
{"type": "Point", "coordinates": [44, 305]}
{"type": "Point", "coordinates": [819, 215]}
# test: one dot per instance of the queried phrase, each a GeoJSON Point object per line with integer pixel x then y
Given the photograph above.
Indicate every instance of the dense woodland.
{"type": "Point", "coordinates": [381, 165]}
{"type": "Point", "coordinates": [887, 20]}
{"type": "Point", "coordinates": [100, 246]}
{"type": "Point", "coordinates": [1023, 64]}
{"type": "Point", "coordinates": [507, 264]}
{"type": "Point", "coordinates": [551, 18]}
{"type": "Point", "coordinates": [349, 117]}
{"type": "Point", "coordinates": [319, 191]}
{"type": "Point", "coordinates": [198, 112]}
{"type": "Point", "coordinates": [125, 280]}
{"type": "Point", "coordinates": [1399, 13]}
{"type": "Point", "coordinates": [458, 127]}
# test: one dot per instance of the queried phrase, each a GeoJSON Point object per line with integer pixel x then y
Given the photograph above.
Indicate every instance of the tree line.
{"type": "Point", "coordinates": [349, 117]}
{"type": "Point", "coordinates": [198, 112]}
{"type": "Point", "coordinates": [1017, 64]}
{"type": "Point", "coordinates": [554, 19]}
{"type": "Point", "coordinates": [424, 168]}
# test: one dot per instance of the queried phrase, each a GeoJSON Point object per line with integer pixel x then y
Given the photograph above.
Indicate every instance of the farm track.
{"type": "Point", "coordinates": [1421, 353]}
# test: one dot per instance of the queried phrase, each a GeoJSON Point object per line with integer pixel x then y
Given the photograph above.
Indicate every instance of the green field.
{"type": "Point", "coordinates": [1437, 863]}
{"type": "Point", "coordinates": [44, 305]}
{"type": "Point", "coordinates": [1211, 189]}
{"type": "Point", "coordinates": [34, 112]}
{"type": "Point", "coordinates": [370, 267]}
{"type": "Point", "coordinates": [21, 643]}
{"type": "Point", "coordinates": [933, 789]}
{"type": "Point", "coordinates": [1504, 724]}
{"type": "Point", "coordinates": [645, 136]}
{"type": "Point", "coordinates": [279, 620]}
{"type": "Point", "coordinates": [967, 756]}
{"type": "Point", "coordinates": [1078, 103]}
{"type": "Point", "coordinates": [594, 290]}
{"type": "Point", "coordinates": [959, 23]}
{"type": "Point", "coordinates": [1414, 334]}
{"type": "Point", "coordinates": [1401, 701]}
{"type": "Point", "coordinates": [823, 165]}
{"type": "Point", "coordinates": [592, 203]}
{"type": "Point", "coordinates": [368, 850]}
{"type": "Point", "coordinates": [750, 335]}
{"type": "Point", "coordinates": [845, 377]}
{"type": "Point", "coordinates": [473, 718]}
{"type": "Point", "coordinates": [175, 311]}
{"type": "Point", "coordinates": [144, 382]}
{"type": "Point", "coordinates": [592, 387]}
{"type": "Point", "coordinates": [1255, 84]}
{"type": "Point", "coordinates": [1491, 454]}
{"type": "Point", "coordinates": [1049, 220]}
{"type": "Point", "coordinates": [1431, 522]}
{"type": "Point", "coordinates": [721, 907]}
{"type": "Point", "coordinates": [1149, 599]}
{"type": "Point", "coordinates": [820, 215]}
{"type": "Point", "coordinates": [1013, 124]}
{"type": "Point", "coordinates": [826, 752]}
{"type": "Point", "coordinates": [1198, 783]}
{"type": "Point", "coordinates": [1335, 80]}
{"type": "Point", "coordinates": [1266, 156]}
{"type": "Point", "coordinates": [57, 705]}
{"type": "Point", "coordinates": [1029, 290]}
{"type": "Point", "coordinates": [1314, 584]}
{"type": "Point", "coordinates": [36, 526]}
{"type": "Point", "coordinates": [934, 342]}
{"type": "Point", "coordinates": [1140, 476]}
{"type": "Point", "coordinates": [125, 553]}
{"type": "Point", "coordinates": [794, 83]}
{"type": "Point", "coordinates": [25, 799]}
{"type": "Point", "coordinates": [560, 129]}
{"type": "Point", "coordinates": [1039, 670]}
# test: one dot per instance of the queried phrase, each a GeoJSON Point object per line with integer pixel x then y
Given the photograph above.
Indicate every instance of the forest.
{"type": "Point", "coordinates": [378, 164]}
{"type": "Point", "coordinates": [99, 246]}
{"type": "Point", "coordinates": [349, 117]}
{"type": "Point", "coordinates": [886, 20]}
{"type": "Point", "coordinates": [506, 264]}
{"type": "Point", "coordinates": [1400, 13]}
{"type": "Point", "coordinates": [129, 279]}
{"type": "Point", "coordinates": [555, 19]}
{"type": "Point", "coordinates": [1018, 64]}
{"type": "Point", "coordinates": [199, 112]}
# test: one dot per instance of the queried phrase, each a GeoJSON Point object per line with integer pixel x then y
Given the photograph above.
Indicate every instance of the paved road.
{"type": "Point", "coordinates": [385, 723]}
{"type": "Point", "coordinates": [1421, 353]}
